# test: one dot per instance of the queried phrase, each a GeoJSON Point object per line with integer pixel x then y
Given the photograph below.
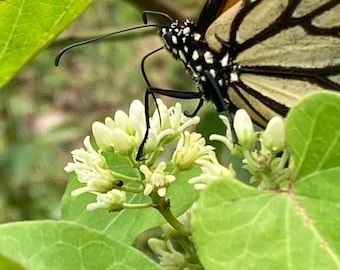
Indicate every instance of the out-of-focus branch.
{"type": "Point", "coordinates": [164, 6]}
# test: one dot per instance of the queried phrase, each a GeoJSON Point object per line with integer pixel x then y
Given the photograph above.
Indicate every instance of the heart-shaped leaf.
{"type": "Point", "coordinates": [65, 245]}
{"type": "Point", "coordinates": [313, 133]}
{"type": "Point", "coordinates": [236, 226]}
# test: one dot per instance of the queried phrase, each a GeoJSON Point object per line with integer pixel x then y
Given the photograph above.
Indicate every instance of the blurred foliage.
{"type": "Point", "coordinates": [45, 111]}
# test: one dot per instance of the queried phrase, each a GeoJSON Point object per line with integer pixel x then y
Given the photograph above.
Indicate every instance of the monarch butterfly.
{"type": "Point", "coordinates": [260, 55]}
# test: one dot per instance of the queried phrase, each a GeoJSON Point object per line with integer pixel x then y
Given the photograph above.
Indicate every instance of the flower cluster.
{"type": "Point", "coordinates": [264, 154]}
{"type": "Point", "coordinates": [122, 136]}
{"type": "Point", "coordinates": [107, 167]}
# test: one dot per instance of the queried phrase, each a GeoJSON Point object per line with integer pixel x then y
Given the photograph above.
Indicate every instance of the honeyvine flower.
{"type": "Point", "coordinates": [211, 170]}
{"type": "Point", "coordinates": [156, 180]}
{"type": "Point", "coordinates": [112, 200]}
{"type": "Point", "coordinates": [274, 137]}
{"type": "Point", "coordinates": [190, 147]}
{"type": "Point", "coordinates": [259, 149]}
{"type": "Point", "coordinates": [115, 139]}
{"type": "Point", "coordinates": [244, 128]}
{"type": "Point", "coordinates": [124, 134]}
{"type": "Point", "coordinates": [169, 257]}
{"type": "Point", "coordinates": [167, 124]}
{"type": "Point", "coordinates": [91, 169]}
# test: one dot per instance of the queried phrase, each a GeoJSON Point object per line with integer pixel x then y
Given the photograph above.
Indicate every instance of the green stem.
{"type": "Point", "coordinates": [187, 246]}
{"type": "Point", "coordinates": [285, 175]}
{"type": "Point", "coordinates": [131, 189]}
{"type": "Point", "coordinates": [251, 162]}
{"type": "Point", "coordinates": [153, 158]}
{"type": "Point", "coordinates": [137, 205]}
{"type": "Point", "coordinates": [134, 163]}
{"type": "Point", "coordinates": [163, 207]}
{"type": "Point", "coordinates": [284, 158]}
{"type": "Point", "coordinates": [175, 171]}
{"type": "Point", "coordinates": [125, 178]}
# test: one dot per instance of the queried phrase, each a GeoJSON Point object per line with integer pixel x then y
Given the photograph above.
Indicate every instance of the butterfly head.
{"type": "Point", "coordinates": [179, 39]}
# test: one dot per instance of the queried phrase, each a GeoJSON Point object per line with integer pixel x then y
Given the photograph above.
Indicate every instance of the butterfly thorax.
{"type": "Point", "coordinates": [186, 44]}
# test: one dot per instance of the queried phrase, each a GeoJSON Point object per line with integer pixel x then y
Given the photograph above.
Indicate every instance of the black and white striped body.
{"type": "Point", "coordinates": [184, 43]}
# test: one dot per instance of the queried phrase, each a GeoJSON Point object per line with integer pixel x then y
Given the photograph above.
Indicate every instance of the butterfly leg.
{"type": "Point", "coordinates": [169, 93]}
{"type": "Point", "coordinates": [221, 104]}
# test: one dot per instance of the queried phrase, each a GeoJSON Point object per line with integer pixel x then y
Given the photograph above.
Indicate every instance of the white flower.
{"type": "Point", "coordinates": [91, 169]}
{"type": "Point", "coordinates": [274, 137]}
{"type": "Point", "coordinates": [171, 119]}
{"type": "Point", "coordinates": [113, 200]}
{"type": "Point", "coordinates": [190, 147]}
{"type": "Point", "coordinates": [244, 128]}
{"type": "Point", "coordinates": [124, 121]}
{"type": "Point", "coordinates": [227, 139]}
{"type": "Point", "coordinates": [169, 257]}
{"type": "Point", "coordinates": [166, 125]}
{"type": "Point", "coordinates": [157, 180]}
{"type": "Point", "coordinates": [137, 120]}
{"type": "Point", "coordinates": [103, 135]}
{"type": "Point", "coordinates": [211, 170]}
{"type": "Point", "coordinates": [123, 143]}
{"type": "Point", "coordinates": [119, 134]}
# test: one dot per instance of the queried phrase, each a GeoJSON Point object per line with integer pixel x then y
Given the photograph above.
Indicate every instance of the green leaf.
{"type": "Point", "coordinates": [313, 133]}
{"type": "Point", "coordinates": [126, 225]}
{"type": "Point", "coordinates": [28, 26]}
{"type": "Point", "coordinates": [6, 264]}
{"type": "Point", "coordinates": [63, 245]}
{"type": "Point", "coordinates": [181, 193]}
{"type": "Point", "coordinates": [236, 226]}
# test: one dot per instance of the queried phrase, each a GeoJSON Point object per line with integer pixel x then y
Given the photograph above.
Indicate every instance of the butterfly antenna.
{"type": "Point", "coordinates": [64, 50]}
{"type": "Point", "coordinates": [145, 14]}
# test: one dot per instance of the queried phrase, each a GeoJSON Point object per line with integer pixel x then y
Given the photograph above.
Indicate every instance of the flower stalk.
{"type": "Point", "coordinates": [163, 206]}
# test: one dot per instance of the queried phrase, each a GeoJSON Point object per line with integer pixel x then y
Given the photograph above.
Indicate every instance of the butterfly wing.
{"type": "Point", "coordinates": [211, 10]}
{"type": "Point", "coordinates": [285, 49]}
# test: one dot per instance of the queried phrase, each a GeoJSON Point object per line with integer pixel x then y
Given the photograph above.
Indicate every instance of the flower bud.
{"type": "Point", "coordinates": [244, 128]}
{"type": "Point", "coordinates": [103, 136]}
{"type": "Point", "coordinates": [122, 142]}
{"type": "Point", "coordinates": [274, 137]}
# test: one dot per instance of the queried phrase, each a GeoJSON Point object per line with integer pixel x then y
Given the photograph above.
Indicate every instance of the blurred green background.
{"type": "Point", "coordinates": [47, 111]}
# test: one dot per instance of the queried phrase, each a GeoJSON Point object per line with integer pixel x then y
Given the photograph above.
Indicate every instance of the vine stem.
{"type": "Point", "coordinates": [163, 206]}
